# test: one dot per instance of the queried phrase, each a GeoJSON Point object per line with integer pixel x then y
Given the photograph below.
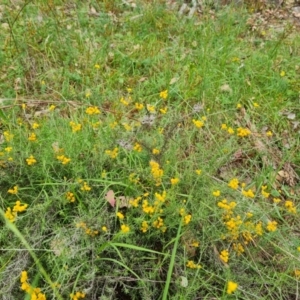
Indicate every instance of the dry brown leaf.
{"type": "Point", "coordinates": [123, 201]}
{"type": "Point", "coordinates": [173, 80]}
{"type": "Point", "coordinates": [226, 88]}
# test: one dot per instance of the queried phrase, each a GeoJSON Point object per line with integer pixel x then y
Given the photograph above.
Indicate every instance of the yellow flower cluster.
{"type": "Point", "coordinates": [77, 296]}
{"type": "Point", "coordinates": [224, 256]}
{"type": "Point", "coordinates": [151, 108]}
{"type": "Point", "coordinates": [70, 196]}
{"type": "Point", "coordinates": [155, 151]}
{"type": "Point", "coordinates": [272, 226]}
{"type": "Point", "coordinates": [190, 264]}
{"type": "Point", "coordinates": [13, 191]}
{"type": "Point", "coordinates": [227, 206]}
{"type": "Point", "coordinates": [185, 217]}
{"type": "Point", "coordinates": [248, 193]}
{"type": "Point", "coordinates": [35, 125]}
{"type": "Point", "coordinates": [164, 110]}
{"type": "Point", "coordinates": [198, 172]}
{"type": "Point", "coordinates": [263, 191]}
{"type": "Point", "coordinates": [127, 126]}
{"type": "Point", "coordinates": [137, 147]}
{"type": "Point", "coordinates": [125, 228]}
{"type": "Point", "coordinates": [11, 214]}
{"type": "Point", "coordinates": [32, 137]}
{"type": "Point", "coordinates": [229, 129]}
{"type": "Point", "coordinates": [92, 110]}
{"type": "Point", "coordinates": [120, 215]}
{"type": "Point", "coordinates": [85, 187]}
{"type": "Point", "coordinates": [145, 226]}
{"type": "Point", "coordinates": [35, 293]}
{"type": "Point", "coordinates": [75, 126]}
{"type": "Point", "coordinates": [8, 136]}
{"type": "Point", "coordinates": [158, 223]}
{"type": "Point", "coordinates": [174, 181]}
{"type": "Point", "coordinates": [135, 202]}
{"type": "Point", "coordinates": [125, 101]}
{"type": "Point", "coordinates": [238, 248]}
{"type": "Point", "coordinates": [163, 94]}
{"type": "Point", "coordinates": [290, 206]}
{"type": "Point", "coordinates": [63, 159]}
{"type": "Point", "coordinates": [156, 171]}
{"type": "Point", "coordinates": [243, 132]}
{"type": "Point", "coordinates": [112, 153]}
{"type": "Point", "coordinates": [231, 287]}
{"type": "Point", "coordinates": [198, 123]}
{"type": "Point", "coordinates": [234, 183]}
{"type": "Point", "coordinates": [148, 209]}
{"type": "Point", "coordinates": [134, 178]}
{"type": "Point", "coordinates": [87, 230]}
{"type": "Point", "coordinates": [139, 106]}
{"type": "Point", "coordinates": [161, 197]}
{"type": "Point", "coordinates": [31, 160]}
{"type": "Point", "coordinates": [216, 193]}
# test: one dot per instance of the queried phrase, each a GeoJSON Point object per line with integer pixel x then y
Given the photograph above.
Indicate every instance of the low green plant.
{"type": "Point", "coordinates": [147, 155]}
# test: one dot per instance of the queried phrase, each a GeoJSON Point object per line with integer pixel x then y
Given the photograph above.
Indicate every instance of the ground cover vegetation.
{"type": "Point", "coordinates": [146, 154]}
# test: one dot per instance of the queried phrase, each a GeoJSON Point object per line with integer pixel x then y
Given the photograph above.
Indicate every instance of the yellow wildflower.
{"type": "Point", "coordinates": [92, 110]}
{"type": "Point", "coordinates": [30, 160]}
{"type": "Point", "coordinates": [112, 153]}
{"type": "Point", "coordinates": [230, 130]}
{"type": "Point", "coordinates": [124, 101]}
{"type": "Point", "coordinates": [198, 123]}
{"type": "Point", "coordinates": [190, 264]}
{"type": "Point", "coordinates": [269, 133]}
{"type": "Point", "coordinates": [248, 193]}
{"type": "Point", "coordinates": [125, 228]}
{"type": "Point", "coordinates": [234, 183]}
{"type": "Point", "coordinates": [75, 126]}
{"type": "Point", "coordinates": [216, 193]}
{"type": "Point", "coordinates": [63, 159]}
{"type": "Point", "coordinates": [13, 191]}
{"type": "Point", "coordinates": [290, 206]}
{"type": "Point", "coordinates": [85, 187]}
{"type": "Point", "coordinates": [8, 136]}
{"type": "Point", "coordinates": [163, 94]}
{"type": "Point", "coordinates": [174, 181]}
{"type": "Point", "coordinates": [137, 147]}
{"type": "Point", "coordinates": [224, 256]}
{"type": "Point", "coordinates": [272, 226]}
{"type": "Point", "coordinates": [243, 132]}
{"type": "Point", "coordinates": [10, 215]}
{"type": "Point", "coordinates": [144, 227]}
{"type": "Point", "coordinates": [187, 219]}
{"type": "Point", "coordinates": [35, 125]}
{"type": "Point", "coordinates": [32, 137]}
{"type": "Point", "coordinates": [120, 215]}
{"type": "Point", "coordinates": [155, 151]}
{"type": "Point", "coordinates": [150, 108]}
{"type": "Point", "coordinates": [163, 110]}
{"type": "Point", "coordinates": [231, 287]}
{"type": "Point", "coordinates": [70, 196]}
{"type": "Point", "coordinates": [139, 106]}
